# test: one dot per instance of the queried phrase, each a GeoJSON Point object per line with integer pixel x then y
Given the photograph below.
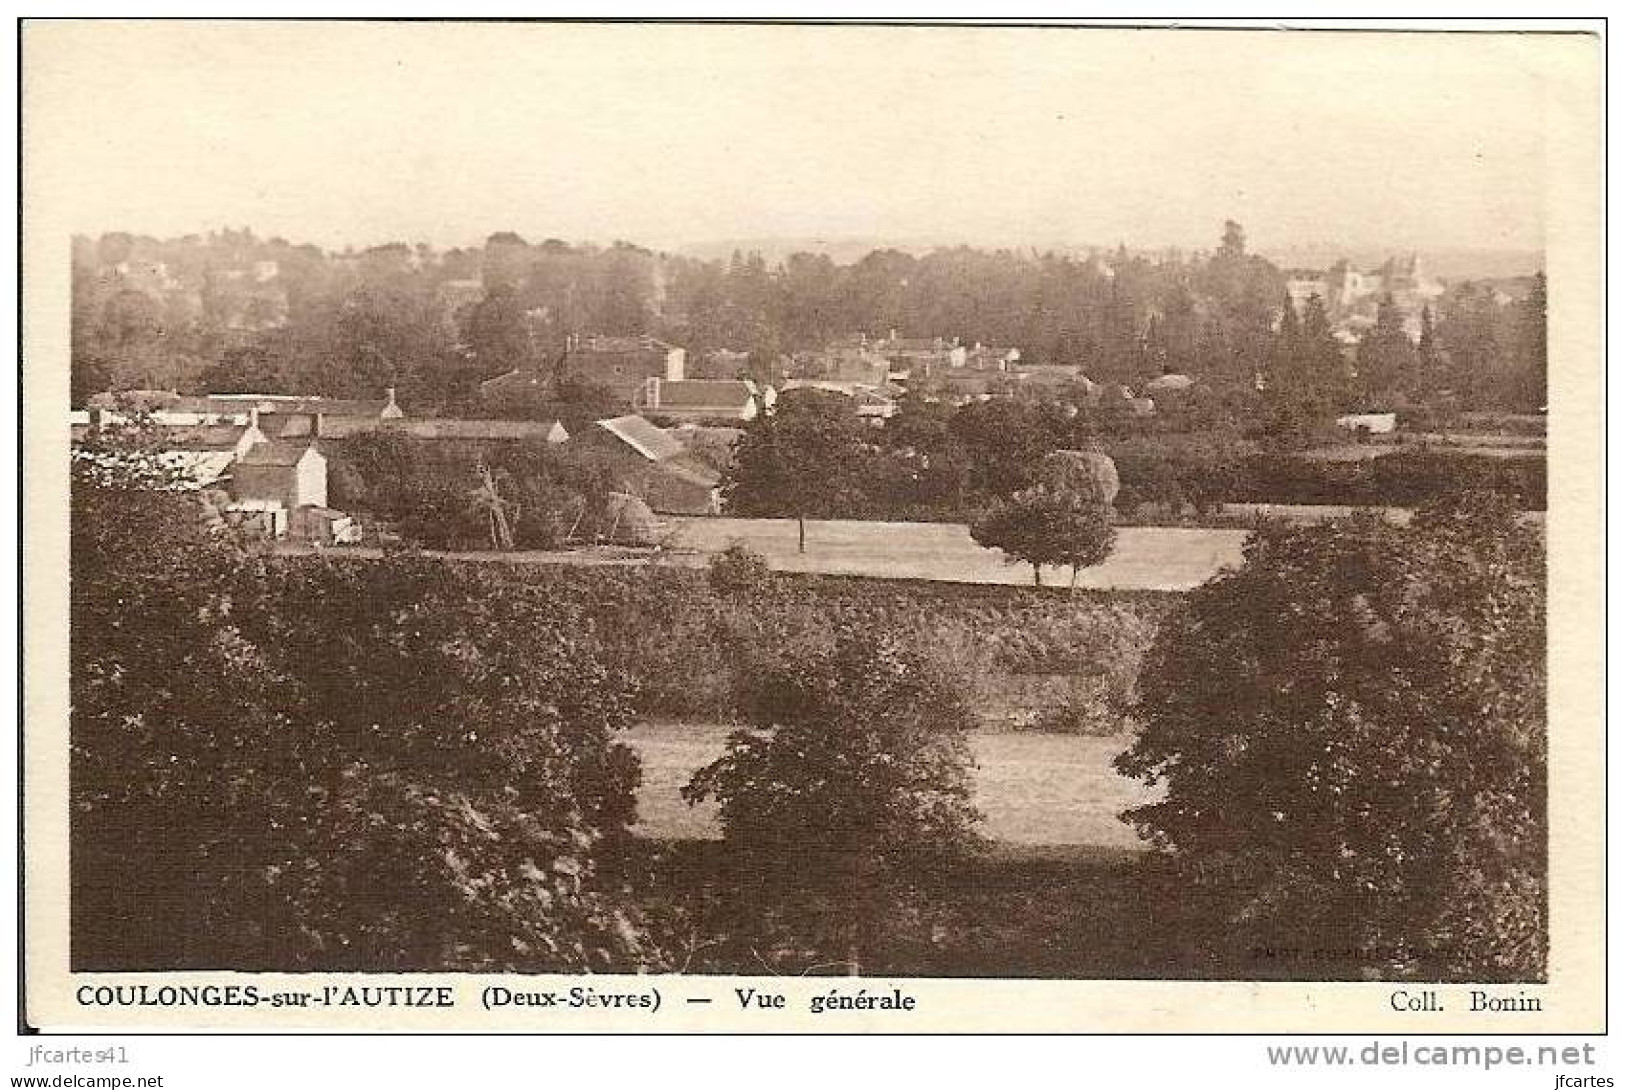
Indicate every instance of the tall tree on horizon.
{"type": "Point", "coordinates": [1529, 385]}
{"type": "Point", "coordinates": [1386, 357]}
{"type": "Point", "coordinates": [1430, 361]}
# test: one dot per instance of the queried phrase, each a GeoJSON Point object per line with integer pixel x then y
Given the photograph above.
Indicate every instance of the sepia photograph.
{"type": "Point", "coordinates": [852, 505]}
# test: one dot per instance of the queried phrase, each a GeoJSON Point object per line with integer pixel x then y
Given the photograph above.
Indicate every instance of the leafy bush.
{"type": "Point", "coordinates": [1087, 709]}
{"type": "Point", "coordinates": [855, 752]}
{"type": "Point", "coordinates": [740, 571]}
{"type": "Point", "coordinates": [853, 772]}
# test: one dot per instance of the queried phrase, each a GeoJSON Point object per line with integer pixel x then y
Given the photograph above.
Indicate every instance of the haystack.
{"type": "Point", "coordinates": [627, 520]}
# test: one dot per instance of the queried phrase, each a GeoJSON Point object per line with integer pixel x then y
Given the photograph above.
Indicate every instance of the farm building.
{"type": "Point", "coordinates": [850, 360]}
{"type": "Point", "coordinates": [273, 481]}
{"type": "Point", "coordinates": [198, 455]}
{"type": "Point", "coordinates": [621, 364]}
{"type": "Point", "coordinates": [702, 400]}
{"type": "Point", "coordinates": [920, 355]}
{"type": "Point", "coordinates": [254, 480]}
{"type": "Point", "coordinates": [650, 464]}
{"type": "Point", "coordinates": [982, 357]}
{"type": "Point", "coordinates": [283, 416]}
{"type": "Point", "coordinates": [280, 416]}
{"type": "Point", "coordinates": [874, 403]}
{"type": "Point", "coordinates": [457, 436]}
{"type": "Point", "coordinates": [281, 471]}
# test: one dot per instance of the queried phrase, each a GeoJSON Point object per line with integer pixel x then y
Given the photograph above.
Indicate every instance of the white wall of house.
{"type": "Point", "coordinates": [310, 483]}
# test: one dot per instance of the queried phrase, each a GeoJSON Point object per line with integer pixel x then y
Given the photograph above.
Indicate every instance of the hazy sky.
{"type": "Point", "coordinates": [366, 133]}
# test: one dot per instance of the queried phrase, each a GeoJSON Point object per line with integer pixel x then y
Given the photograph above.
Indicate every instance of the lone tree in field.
{"type": "Point", "coordinates": [854, 773]}
{"type": "Point", "coordinates": [1351, 732]}
{"type": "Point", "coordinates": [1065, 519]}
{"type": "Point", "coordinates": [803, 460]}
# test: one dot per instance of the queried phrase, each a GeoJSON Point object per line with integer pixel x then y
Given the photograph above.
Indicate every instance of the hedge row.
{"type": "Point", "coordinates": [1205, 477]}
{"type": "Point", "coordinates": [1401, 479]}
{"type": "Point", "coordinates": [684, 640]}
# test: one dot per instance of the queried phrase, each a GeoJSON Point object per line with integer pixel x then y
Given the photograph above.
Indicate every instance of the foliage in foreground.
{"type": "Point", "coordinates": [1351, 731]}
{"type": "Point", "coordinates": [338, 766]}
{"type": "Point", "coordinates": [853, 774]}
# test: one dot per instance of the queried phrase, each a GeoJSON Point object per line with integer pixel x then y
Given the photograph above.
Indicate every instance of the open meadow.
{"type": "Point", "coordinates": [1155, 558]}
{"type": "Point", "coordinates": [1035, 789]}
{"type": "Point", "coordinates": [1144, 557]}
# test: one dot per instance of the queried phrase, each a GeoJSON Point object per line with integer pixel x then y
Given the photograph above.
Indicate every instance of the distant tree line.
{"type": "Point", "coordinates": [233, 311]}
{"type": "Point", "coordinates": [812, 459]}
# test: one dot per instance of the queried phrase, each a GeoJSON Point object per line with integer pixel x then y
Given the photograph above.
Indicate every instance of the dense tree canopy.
{"type": "Point", "coordinates": [1386, 360]}
{"type": "Point", "coordinates": [441, 501]}
{"type": "Point", "coordinates": [157, 313]}
{"type": "Point", "coordinates": [1047, 524]}
{"type": "Point", "coordinates": [1351, 732]}
{"type": "Point", "coordinates": [803, 460]}
{"type": "Point", "coordinates": [308, 765]}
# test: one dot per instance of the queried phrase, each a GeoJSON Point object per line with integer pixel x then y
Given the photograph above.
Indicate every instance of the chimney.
{"type": "Point", "coordinates": [316, 424]}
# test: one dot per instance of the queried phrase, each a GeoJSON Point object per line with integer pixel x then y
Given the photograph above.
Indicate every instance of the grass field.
{"type": "Point", "coordinates": [1144, 558]}
{"type": "Point", "coordinates": [1475, 444]}
{"type": "Point", "coordinates": [1034, 788]}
